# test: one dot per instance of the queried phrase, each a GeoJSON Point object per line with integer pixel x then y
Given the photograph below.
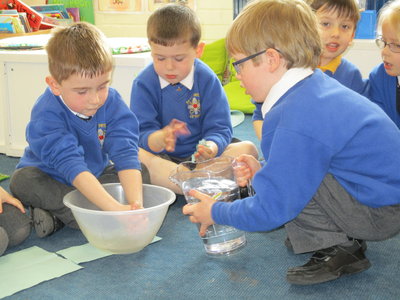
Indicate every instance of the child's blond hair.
{"type": "Point", "coordinates": [390, 13]}
{"type": "Point", "coordinates": [174, 24]}
{"type": "Point", "coordinates": [345, 8]}
{"type": "Point", "coordinates": [290, 26]}
{"type": "Point", "coordinates": [78, 49]}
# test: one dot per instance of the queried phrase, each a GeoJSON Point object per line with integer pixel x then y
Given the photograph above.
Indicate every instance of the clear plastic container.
{"type": "Point", "coordinates": [121, 232]}
{"type": "Point", "coordinates": [214, 177]}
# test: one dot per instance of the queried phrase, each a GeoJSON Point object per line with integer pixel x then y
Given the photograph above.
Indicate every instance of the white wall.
{"type": "Point", "coordinates": [215, 17]}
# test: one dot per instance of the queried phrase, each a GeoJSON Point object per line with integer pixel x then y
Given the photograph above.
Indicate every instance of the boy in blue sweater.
{"type": "Point", "coordinates": [384, 79]}
{"type": "Point", "coordinates": [180, 103]}
{"type": "Point", "coordinates": [331, 173]}
{"type": "Point", "coordinates": [77, 127]}
{"type": "Point", "coordinates": [337, 23]}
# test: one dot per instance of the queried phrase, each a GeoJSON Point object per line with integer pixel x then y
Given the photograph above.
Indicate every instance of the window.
{"type": "Point", "coordinates": [237, 6]}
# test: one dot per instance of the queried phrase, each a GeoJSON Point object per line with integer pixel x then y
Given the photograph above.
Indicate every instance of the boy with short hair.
{"type": "Point", "coordinates": [180, 103]}
{"type": "Point", "coordinates": [77, 127]}
{"type": "Point", "coordinates": [331, 157]}
{"type": "Point", "coordinates": [384, 79]}
{"type": "Point", "coordinates": [15, 225]}
{"type": "Point", "coordinates": [337, 21]}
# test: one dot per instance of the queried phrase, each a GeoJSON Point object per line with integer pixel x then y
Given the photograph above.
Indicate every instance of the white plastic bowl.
{"type": "Point", "coordinates": [121, 232]}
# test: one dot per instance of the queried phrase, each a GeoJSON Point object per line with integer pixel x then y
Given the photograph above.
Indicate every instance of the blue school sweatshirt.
{"type": "Point", "coordinates": [63, 145]}
{"type": "Point", "coordinates": [204, 108]}
{"type": "Point", "coordinates": [317, 127]}
{"type": "Point", "coordinates": [382, 91]}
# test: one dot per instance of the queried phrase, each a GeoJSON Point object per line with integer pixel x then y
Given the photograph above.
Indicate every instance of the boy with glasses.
{"type": "Point", "coordinates": [331, 173]}
{"type": "Point", "coordinates": [384, 87]}
{"type": "Point", "coordinates": [337, 20]}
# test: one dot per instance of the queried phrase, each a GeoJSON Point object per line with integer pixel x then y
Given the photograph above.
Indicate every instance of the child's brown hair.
{"type": "Point", "coordinates": [78, 49]}
{"type": "Point", "coordinates": [174, 24]}
{"type": "Point", "coordinates": [345, 8]}
{"type": "Point", "coordinates": [289, 26]}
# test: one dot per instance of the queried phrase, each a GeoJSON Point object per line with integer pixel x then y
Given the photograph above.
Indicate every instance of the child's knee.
{"type": "Point", "coordinates": [243, 147]}
{"type": "Point", "coordinates": [20, 181]}
{"type": "Point", "coordinates": [251, 149]}
{"type": "Point", "coordinates": [20, 234]}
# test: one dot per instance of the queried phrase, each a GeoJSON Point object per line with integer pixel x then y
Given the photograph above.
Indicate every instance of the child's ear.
{"type": "Point", "coordinates": [273, 59]}
{"type": "Point", "coordinates": [53, 85]}
{"type": "Point", "coordinates": [200, 49]}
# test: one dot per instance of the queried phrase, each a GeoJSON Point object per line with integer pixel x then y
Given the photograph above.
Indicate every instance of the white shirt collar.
{"type": "Point", "coordinates": [289, 79]}
{"type": "Point", "coordinates": [187, 81]}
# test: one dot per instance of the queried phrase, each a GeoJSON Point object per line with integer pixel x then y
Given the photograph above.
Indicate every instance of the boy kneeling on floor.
{"type": "Point", "coordinates": [331, 172]}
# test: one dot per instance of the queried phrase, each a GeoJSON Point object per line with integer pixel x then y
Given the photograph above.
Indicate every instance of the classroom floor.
{"type": "Point", "coordinates": [177, 266]}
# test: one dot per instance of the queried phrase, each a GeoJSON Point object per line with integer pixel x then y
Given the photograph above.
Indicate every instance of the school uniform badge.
{"type": "Point", "coordinates": [101, 133]}
{"type": "Point", "coordinates": [194, 106]}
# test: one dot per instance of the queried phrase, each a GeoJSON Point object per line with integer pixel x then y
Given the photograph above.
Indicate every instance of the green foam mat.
{"type": "Point", "coordinates": [3, 177]}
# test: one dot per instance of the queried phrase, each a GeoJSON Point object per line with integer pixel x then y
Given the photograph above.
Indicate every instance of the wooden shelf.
{"type": "Point", "coordinates": [8, 35]}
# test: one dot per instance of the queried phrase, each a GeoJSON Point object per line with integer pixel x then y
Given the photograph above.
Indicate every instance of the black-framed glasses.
{"type": "Point", "coordinates": [240, 61]}
{"type": "Point", "coordinates": [381, 43]}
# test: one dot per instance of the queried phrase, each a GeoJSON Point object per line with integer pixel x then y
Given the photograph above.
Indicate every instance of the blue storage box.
{"type": "Point", "coordinates": [366, 27]}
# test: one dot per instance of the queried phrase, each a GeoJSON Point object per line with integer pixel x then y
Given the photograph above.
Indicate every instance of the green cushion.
{"type": "Point", "coordinates": [216, 57]}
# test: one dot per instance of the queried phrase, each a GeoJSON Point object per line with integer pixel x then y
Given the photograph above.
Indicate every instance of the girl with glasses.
{"type": "Point", "coordinates": [384, 87]}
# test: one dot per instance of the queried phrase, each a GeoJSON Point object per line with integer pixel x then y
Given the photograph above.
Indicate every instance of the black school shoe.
{"type": "Point", "coordinates": [44, 222]}
{"type": "Point", "coordinates": [362, 243]}
{"type": "Point", "coordinates": [329, 264]}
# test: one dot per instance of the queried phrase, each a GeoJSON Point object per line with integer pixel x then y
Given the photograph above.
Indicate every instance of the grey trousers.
{"type": "Point", "coordinates": [333, 215]}
{"type": "Point", "coordinates": [35, 188]}
{"type": "Point", "coordinates": [16, 225]}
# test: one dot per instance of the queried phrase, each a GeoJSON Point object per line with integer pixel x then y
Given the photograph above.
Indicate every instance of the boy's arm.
{"type": "Point", "coordinates": [378, 87]}
{"type": "Point", "coordinates": [257, 118]}
{"type": "Point", "coordinates": [216, 122]}
{"type": "Point", "coordinates": [144, 103]}
{"type": "Point", "coordinates": [131, 181]}
{"type": "Point", "coordinates": [92, 189]}
{"type": "Point", "coordinates": [257, 125]}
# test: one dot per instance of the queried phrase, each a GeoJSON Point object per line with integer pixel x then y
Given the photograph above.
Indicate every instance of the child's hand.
{"type": "Point", "coordinates": [173, 130]}
{"type": "Point", "coordinates": [134, 206]}
{"type": "Point", "coordinates": [245, 166]}
{"type": "Point", "coordinates": [124, 207]}
{"type": "Point", "coordinates": [179, 128]}
{"type": "Point", "coordinates": [200, 212]}
{"type": "Point", "coordinates": [205, 150]}
{"type": "Point", "coordinates": [7, 198]}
